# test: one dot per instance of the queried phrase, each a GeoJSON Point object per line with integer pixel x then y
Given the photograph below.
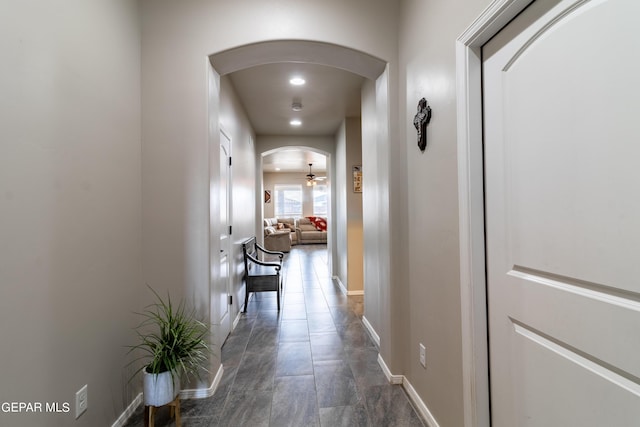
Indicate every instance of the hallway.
{"type": "Point", "coordinates": [312, 365]}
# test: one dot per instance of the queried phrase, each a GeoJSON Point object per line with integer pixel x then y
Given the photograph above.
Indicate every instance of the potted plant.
{"type": "Point", "coordinates": [173, 343]}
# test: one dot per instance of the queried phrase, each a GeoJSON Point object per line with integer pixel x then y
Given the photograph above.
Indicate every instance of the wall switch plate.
{"type": "Point", "coordinates": [423, 355]}
{"type": "Point", "coordinates": [81, 401]}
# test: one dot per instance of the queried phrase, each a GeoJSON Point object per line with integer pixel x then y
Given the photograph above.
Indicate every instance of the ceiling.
{"type": "Point", "coordinates": [327, 97]}
{"type": "Point", "coordinates": [295, 160]}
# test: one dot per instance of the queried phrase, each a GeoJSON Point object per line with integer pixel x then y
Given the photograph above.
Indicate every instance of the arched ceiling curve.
{"type": "Point", "coordinates": [304, 51]}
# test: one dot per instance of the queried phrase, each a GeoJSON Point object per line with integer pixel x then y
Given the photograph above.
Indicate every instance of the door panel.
{"type": "Point", "coordinates": [563, 215]}
{"type": "Point", "coordinates": [547, 375]}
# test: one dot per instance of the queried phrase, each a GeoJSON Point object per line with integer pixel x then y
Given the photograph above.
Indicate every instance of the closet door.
{"type": "Point", "coordinates": [562, 177]}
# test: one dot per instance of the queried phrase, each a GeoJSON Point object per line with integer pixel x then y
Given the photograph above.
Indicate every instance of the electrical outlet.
{"type": "Point", "coordinates": [423, 355]}
{"type": "Point", "coordinates": [81, 401]}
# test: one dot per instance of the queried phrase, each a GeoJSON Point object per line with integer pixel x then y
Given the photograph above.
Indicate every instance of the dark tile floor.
{"type": "Point", "coordinates": [312, 364]}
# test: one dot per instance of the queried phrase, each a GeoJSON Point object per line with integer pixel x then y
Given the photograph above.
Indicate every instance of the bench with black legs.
{"type": "Point", "coordinates": [260, 276]}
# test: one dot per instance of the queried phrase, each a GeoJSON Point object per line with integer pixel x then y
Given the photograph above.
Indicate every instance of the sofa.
{"type": "Point", "coordinates": [279, 234]}
{"type": "Point", "coordinates": [307, 230]}
{"type": "Point", "coordinates": [311, 230]}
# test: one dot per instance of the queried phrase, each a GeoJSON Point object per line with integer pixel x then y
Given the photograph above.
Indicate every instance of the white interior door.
{"type": "Point", "coordinates": [223, 283]}
{"type": "Point", "coordinates": [562, 176]}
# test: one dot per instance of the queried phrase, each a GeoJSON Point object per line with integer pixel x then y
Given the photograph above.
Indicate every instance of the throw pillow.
{"type": "Point", "coordinates": [280, 226]}
{"type": "Point", "coordinates": [269, 230]}
{"type": "Point", "coordinates": [318, 222]}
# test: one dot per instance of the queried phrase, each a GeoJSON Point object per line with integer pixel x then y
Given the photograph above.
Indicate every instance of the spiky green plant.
{"type": "Point", "coordinates": [171, 339]}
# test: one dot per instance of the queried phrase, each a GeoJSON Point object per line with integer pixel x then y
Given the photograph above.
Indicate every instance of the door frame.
{"type": "Point", "coordinates": [475, 349]}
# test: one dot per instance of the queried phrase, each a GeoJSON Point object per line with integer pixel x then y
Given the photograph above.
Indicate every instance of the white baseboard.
{"type": "Point", "coordinates": [200, 393]}
{"type": "Point", "coordinates": [420, 406]}
{"type": "Point", "coordinates": [393, 379]}
{"type": "Point", "coordinates": [124, 417]}
{"type": "Point", "coordinates": [197, 393]}
{"type": "Point", "coordinates": [372, 332]}
{"type": "Point", "coordinates": [237, 319]}
{"type": "Point", "coordinates": [343, 288]}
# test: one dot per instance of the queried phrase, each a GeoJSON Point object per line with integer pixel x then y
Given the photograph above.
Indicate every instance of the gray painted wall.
{"type": "Point", "coordinates": [234, 122]}
{"type": "Point", "coordinates": [70, 211]}
{"type": "Point", "coordinates": [348, 220]}
{"type": "Point", "coordinates": [428, 31]}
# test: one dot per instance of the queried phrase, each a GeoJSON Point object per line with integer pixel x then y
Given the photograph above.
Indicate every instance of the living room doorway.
{"type": "Point", "coordinates": [294, 194]}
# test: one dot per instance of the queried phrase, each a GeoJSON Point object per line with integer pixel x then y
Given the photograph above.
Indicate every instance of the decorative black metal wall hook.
{"type": "Point", "coordinates": [420, 121]}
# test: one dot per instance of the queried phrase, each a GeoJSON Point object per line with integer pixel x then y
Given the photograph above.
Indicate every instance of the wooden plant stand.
{"type": "Point", "coordinates": [150, 412]}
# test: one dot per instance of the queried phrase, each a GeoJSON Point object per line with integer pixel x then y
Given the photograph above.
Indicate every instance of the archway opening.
{"type": "Point", "coordinates": [375, 131]}
{"type": "Point", "coordinates": [308, 197]}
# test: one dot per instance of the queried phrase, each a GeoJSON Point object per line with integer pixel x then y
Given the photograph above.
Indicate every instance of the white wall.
{"type": "Point", "coordinates": [70, 214]}
{"type": "Point", "coordinates": [427, 69]}
{"type": "Point", "coordinates": [271, 179]}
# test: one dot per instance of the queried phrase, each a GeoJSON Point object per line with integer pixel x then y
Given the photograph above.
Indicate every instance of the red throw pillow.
{"type": "Point", "coordinates": [319, 223]}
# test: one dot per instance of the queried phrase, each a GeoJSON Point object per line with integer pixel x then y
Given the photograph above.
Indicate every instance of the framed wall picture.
{"type": "Point", "coordinates": [267, 196]}
{"type": "Point", "coordinates": [357, 179]}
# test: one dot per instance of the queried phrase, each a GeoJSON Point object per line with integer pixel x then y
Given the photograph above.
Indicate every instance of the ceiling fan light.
{"type": "Point", "coordinates": [311, 178]}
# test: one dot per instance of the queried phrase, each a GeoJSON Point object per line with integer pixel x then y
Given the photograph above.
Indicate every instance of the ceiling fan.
{"type": "Point", "coordinates": [311, 178]}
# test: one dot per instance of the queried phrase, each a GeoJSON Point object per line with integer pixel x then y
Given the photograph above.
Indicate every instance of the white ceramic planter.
{"type": "Point", "coordinates": [160, 389]}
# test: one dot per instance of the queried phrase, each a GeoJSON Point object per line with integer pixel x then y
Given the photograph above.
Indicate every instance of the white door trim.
{"type": "Point", "coordinates": [475, 362]}
{"type": "Point", "coordinates": [229, 243]}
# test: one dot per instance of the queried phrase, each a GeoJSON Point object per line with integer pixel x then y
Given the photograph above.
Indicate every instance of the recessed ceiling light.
{"type": "Point", "coordinates": [295, 122]}
{"type": "Point", "coordinates": [297, 81]}
{"type": "Point", "coordinates": [277, 169]}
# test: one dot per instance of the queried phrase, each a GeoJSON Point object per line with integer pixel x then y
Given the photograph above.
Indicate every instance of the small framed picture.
{"type": "Point", "coordinates": [267, 196]}
{"type": "Point", "coordinates": [357, 179]}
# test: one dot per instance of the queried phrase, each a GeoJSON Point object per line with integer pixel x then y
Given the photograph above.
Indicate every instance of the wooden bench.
{"type": "Point", "coordinates": [260, 276]}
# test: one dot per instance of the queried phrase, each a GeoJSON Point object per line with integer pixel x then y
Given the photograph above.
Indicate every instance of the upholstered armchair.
{"type": "Point", "coordinates": [277, 240]}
